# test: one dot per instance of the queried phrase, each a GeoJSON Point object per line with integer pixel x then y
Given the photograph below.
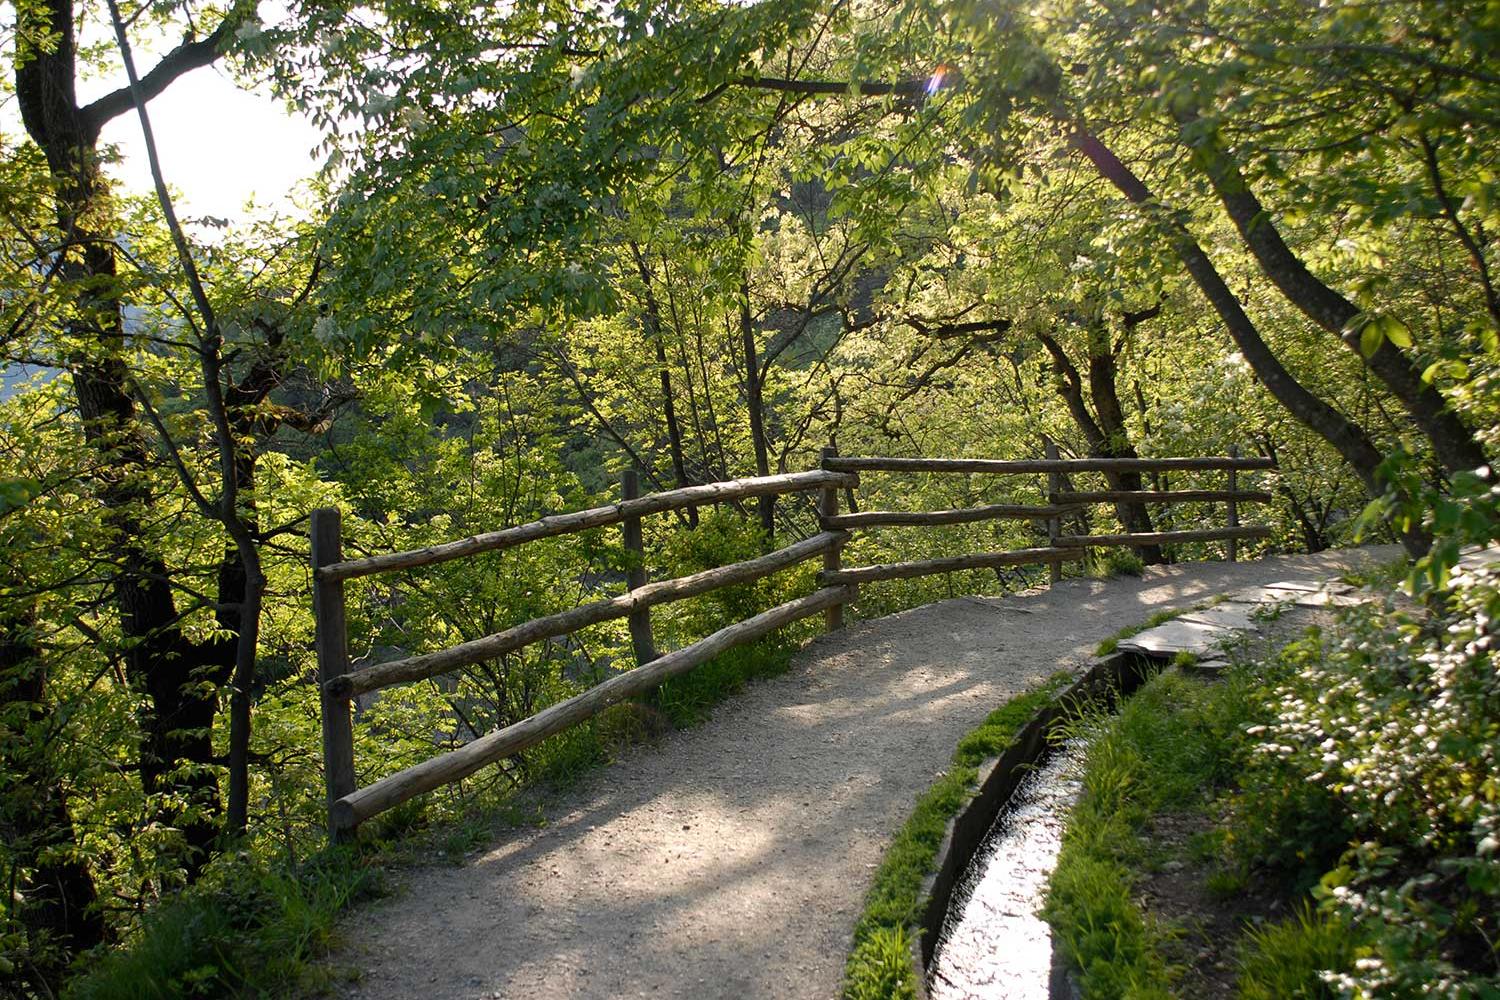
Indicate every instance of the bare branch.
{"type": "Point", "coordinates": [188, 56]}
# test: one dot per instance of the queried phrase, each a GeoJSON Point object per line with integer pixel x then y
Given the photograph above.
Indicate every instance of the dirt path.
{"type": "Point", "coordinates": [731, 860]}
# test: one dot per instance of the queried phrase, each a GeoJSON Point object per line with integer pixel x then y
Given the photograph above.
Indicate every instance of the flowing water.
{"type": "Point", "coordinates": [994, 946]}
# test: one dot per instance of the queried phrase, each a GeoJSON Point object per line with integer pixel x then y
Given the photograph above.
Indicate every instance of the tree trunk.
{"type": "Point", "coordinates": [1105, 434]}
{"type": "Point", "coordinates": [757, 411]}
{"type": "Point", "coordinates": [1347, 438]}
{"type": "Point", "coordinates": [1452, 441]}
{"type": "Point", "coordinates": [1136, 517]}
{"type": "Point", "coordinates": [178, 678]}
{"type": "Point", "coordinates": [654, 330]}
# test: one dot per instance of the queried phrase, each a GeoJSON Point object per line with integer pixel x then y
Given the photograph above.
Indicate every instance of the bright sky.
{"type": "Point", "coordinates": [220, 146]}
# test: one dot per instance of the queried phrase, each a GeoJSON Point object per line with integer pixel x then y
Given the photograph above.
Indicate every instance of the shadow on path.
{"type": "Point", "coordinates": [731, 860]}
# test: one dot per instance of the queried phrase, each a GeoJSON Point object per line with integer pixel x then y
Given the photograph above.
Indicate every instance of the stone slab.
{"type": "Point", "coordinates": [1176, 636]}
{"type": "Point", "coordinates": [1208, 665]}
{"type": "Point", "coordinates": [1275, 593]}
{"type": "Point", "coordinates": [1229, 614]}
{"type": "Point", "coordinates": [1326, 599]}
{"type": "Point", "coordinates": [1479, 557]}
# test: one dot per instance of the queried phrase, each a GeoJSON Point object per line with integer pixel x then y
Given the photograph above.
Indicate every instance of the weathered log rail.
{"type": "Point", "coordinates": [349, 805]}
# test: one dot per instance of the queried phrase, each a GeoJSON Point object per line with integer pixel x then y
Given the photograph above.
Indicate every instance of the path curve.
{"type": "Point", "coordinates": [730, 860]}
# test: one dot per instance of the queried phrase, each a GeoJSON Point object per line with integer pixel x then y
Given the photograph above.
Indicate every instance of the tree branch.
{"type": "Point", "coordinates": [995, 329]}
{"type": "Point", "coordinates": [843, 88]}
{"type": "Point", "coordinates": [188, 56]}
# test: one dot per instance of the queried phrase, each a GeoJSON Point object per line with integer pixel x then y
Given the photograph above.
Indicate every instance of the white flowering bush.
{"type": "Point", "coordinates": [1380, 763]}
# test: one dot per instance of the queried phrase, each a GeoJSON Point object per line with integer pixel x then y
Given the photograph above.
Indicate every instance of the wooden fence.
{"type": "Point", "coordinates": [349, 805]}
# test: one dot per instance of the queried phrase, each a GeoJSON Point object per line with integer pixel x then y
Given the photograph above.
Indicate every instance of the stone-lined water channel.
{"type": "Point", "coordinates": [993, 945]}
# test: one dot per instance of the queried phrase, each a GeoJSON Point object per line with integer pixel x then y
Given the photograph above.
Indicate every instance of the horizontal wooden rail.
{"type": "Point", "coordinates": [949, 564]}
{"type": "Point", "coordinates": [394, 789]}
{"type": "Point", "coordinates": [490, 646]}
{"type": "Point", "coordinates": [1162, 496]}
{"type": "Point", "coordinates": [1063, 465]}
{"type": "Point", "coordinates": [594, 517]}
{"type": "Point", "coordinates": [349, 806]}
{"type": "Point", "coordinates": [963, 515]}
{"type": "Point", "coordinates": [1164, 537]}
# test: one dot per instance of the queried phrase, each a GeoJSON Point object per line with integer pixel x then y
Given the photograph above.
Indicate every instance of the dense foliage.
{"type": "Point", "coordinates": [553, 241]}
{"type": "Point", "coordinates": [1379, 758]}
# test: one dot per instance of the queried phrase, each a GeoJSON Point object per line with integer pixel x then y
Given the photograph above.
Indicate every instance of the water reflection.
{"type": "Point", "coordinates": [994, 946]}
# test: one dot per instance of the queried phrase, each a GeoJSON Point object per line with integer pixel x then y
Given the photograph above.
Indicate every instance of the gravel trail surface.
{"type": "Point", "coordinates": [730, 860]}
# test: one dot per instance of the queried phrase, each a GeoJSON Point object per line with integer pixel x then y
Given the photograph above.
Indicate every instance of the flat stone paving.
{"type": "Point", "coordinates": [1203, 631]}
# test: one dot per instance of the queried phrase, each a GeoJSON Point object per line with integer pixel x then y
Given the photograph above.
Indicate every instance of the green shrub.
{"type": "Point", "coordinates": [723, 537]}
{"type": "Point", "coordinates": [1380, 760]}
{"type": "Point", "coordinates": [1105, 564]}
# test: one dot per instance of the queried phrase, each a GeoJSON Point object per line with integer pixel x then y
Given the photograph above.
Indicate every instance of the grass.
{"type": "Point", "coordinates": [880, 964]}
{"type": "Point", "coordinates": [250, 933]}
{"type": "Point", "coordinates": [1177, 746]}
{"type": "Point", "coordinates": [1285, 960]}
{"type": "Point", "coordinates": [1171, 741]}
{"type": "Point", "coordinates": [688, 700]}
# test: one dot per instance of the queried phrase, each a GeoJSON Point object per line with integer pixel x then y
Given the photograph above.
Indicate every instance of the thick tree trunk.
{"type": "Point", "coordinates": [1347, 438]}
{"type": "Point", "coordinates": [179, 679]}
{"type": "Point", "coordinates": [1136, 517]}
{"type": "Point", "coordinates": [1452, 441]}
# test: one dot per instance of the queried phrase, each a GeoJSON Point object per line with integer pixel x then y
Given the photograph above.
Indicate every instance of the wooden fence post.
{"type": "Point", "coordinates": [332, 644]}
{"type": "Point", "coordinates": [828, 506]}
{"type": "Point", "coordinates": [1234, 505]}
{"type": "Point", "coordinates": [635, 577]}
{"type": "Point", "coordinates": [1054, 523]}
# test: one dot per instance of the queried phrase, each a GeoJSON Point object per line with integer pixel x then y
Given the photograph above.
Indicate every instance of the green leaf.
{"type": "Point", "coordinates": [17, 493]}
{"type": "Point", "coordinates": [1396, 331]}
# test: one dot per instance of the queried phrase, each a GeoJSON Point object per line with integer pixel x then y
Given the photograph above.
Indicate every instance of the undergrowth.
{"type": "Point", "coordinates": [1106, 564]}
{"type": "Point", "coordinates": [249, 931]}
{"type": "Point", "coordinates": [880, 964]}
{"type": "Point", "coordinates": [1353, 777]}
